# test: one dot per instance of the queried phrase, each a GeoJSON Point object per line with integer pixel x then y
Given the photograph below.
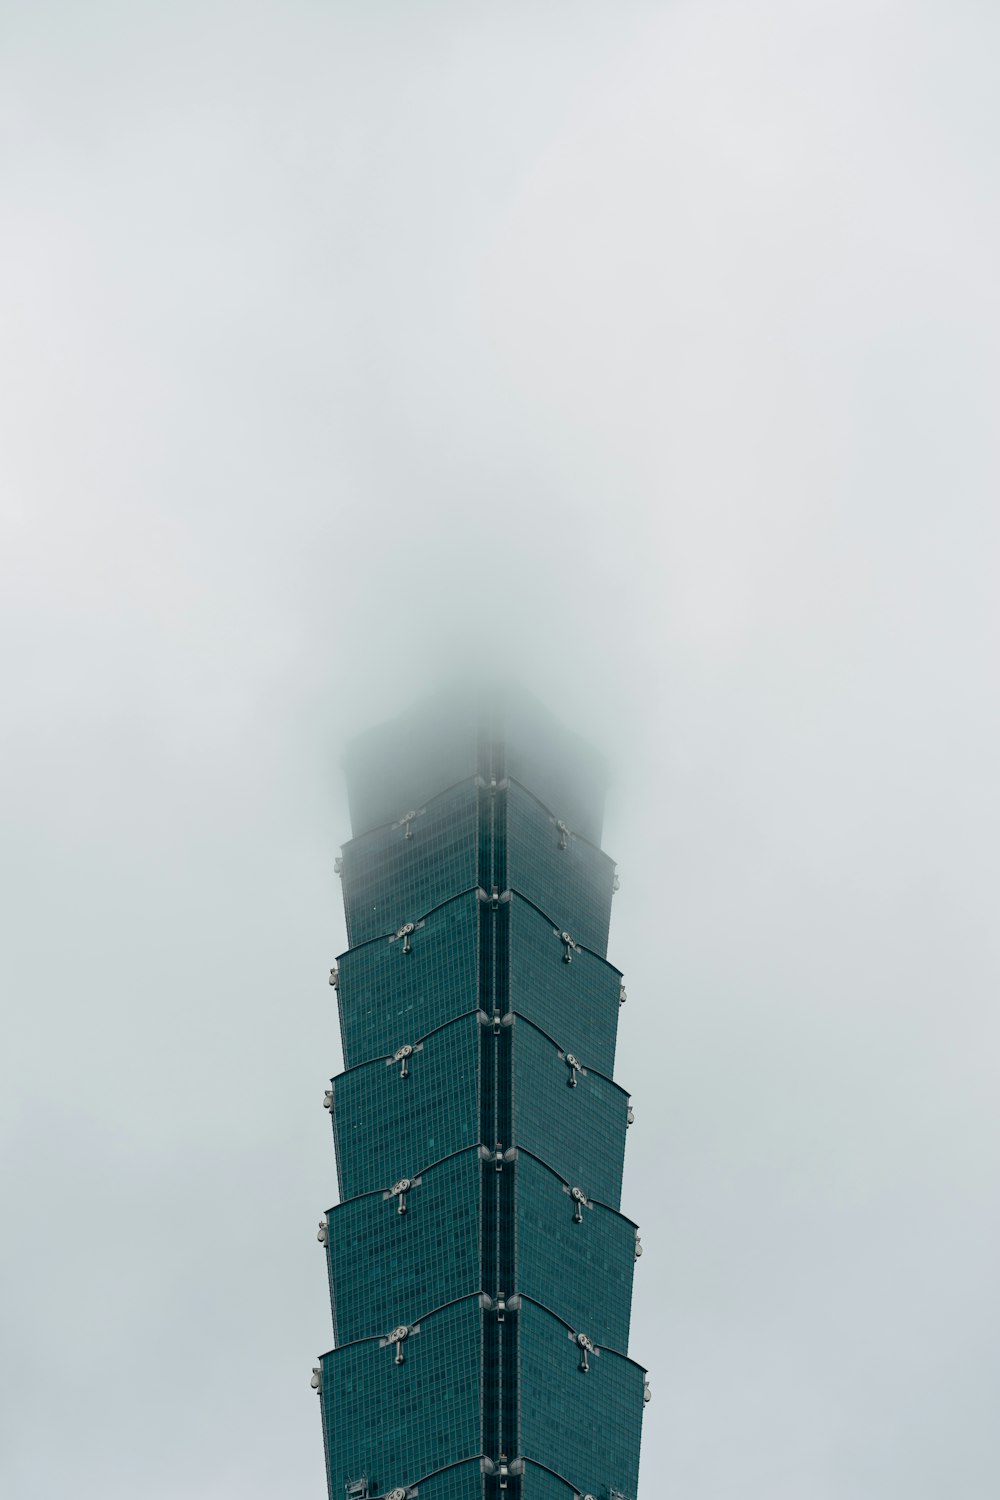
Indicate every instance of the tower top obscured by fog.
{"type": "Point", "coordinates": [480, 1267]}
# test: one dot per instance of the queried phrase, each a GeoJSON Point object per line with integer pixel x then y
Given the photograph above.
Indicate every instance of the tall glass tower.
{"type": "Point", "coordinates": [480, 1267]}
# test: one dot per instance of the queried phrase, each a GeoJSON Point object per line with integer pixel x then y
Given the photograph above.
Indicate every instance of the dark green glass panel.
{"type": "Point", "coordinates": [390, 878]}
{"type": "Point", "coordinates": [540, 1484]}
{"type": "Point", "coordinates": [572, 885]}
{"type": "Point", "coordinates": [464, 1482]}
{"type": "Point", "coordinates": [579, 1132]}
{"type": "Point", "coordinates": [388, 1267]}
{"type": "Point", "coordinates": [396, 1423]}
{"type": "Point", "coordinates": [582, 1271]}
{"type": "Point", "coordinates": [387, 1126]}
{"type": "Point", "coordinates": [389, 997]}
{"type": "Point", "coordinates": [584, 1426]}
{"type": "Point", "coordinates": [577, 1003]}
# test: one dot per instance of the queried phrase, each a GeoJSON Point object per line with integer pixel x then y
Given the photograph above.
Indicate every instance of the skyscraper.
{"type": "Point", "coordinates": [480, 1267]}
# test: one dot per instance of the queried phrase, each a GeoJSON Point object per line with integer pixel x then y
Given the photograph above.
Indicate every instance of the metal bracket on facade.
{"type": "Point", "coordinates": [402, 1055]}
{"type": "Point", "coordinates": [501, 1304]}
{"type": "Point", "coordinates": [400, 1189]}
{"type": "Point", "coordinates": [328, 1099]}
{"type": "Point", "coordinates": [495, 897]}
{"type": "Point", "coordinates": [563, 834]}
{"type": "Point", "coordinates": [335, 977]}
{"type": "Point", "coordinates": [323, 1232]}
{"type": "Point", "coordinates": [405, 932]}
{"type": "Point", "coordinates": [498, 1155]}
{"type": "Point", "coordinates": [586, 1348]}
{"type": "Point", "coordinates": [408, 819]}
{"type": "Point", "coordinates": [398, 1336]}
{"type": "Point", "coordinates": [569, 946]}
{"type": "Point", "coordinates": [579, 1198]}
{"type": "Point", "coordinates": [573, 1063]}
{"type": "Point", "coordinates": [503, 1467]}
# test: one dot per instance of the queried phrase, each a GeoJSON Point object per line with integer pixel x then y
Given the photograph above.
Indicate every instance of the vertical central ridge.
{"type": "Point", "coordinates": [492, 1135]}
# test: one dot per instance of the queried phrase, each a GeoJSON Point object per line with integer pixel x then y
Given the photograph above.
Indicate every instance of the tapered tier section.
{"type": "Point", "coordinates": [397, 988]}
{"type": "Point", "coordinates": [394, 1116]}
{"type": "Point", "coordinates": [386, 1265]}
{"type": "Point", "coordinates": [480, 1267]}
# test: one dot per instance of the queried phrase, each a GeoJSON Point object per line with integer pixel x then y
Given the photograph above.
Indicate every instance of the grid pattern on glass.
{"type": "Point", "coordinates": [394, 1422]}
{"type": "Point", "coordinates": [390, 997]}
{"type": "Point", "coordinates": [575, 1002]}
{"type": "Point", "coordinates": [582, 1271]}
{"type": "Point", "coordinates": [388, 878]}
{"type": "Point", "coordinates": [586, 1426]}
{"type": "Point", "coordinates": [572, 884]}
{"type": "Point", "coordinates": [540, 1484]}
{"type": "Point", "coordinates": [387, 1126]}
{"type": "Point", "coordinates": [464, 1482]}
{"type": "Point", "coordinates": [579, 1132]}
{"type": "Point", "coordinates": [389, 1267]}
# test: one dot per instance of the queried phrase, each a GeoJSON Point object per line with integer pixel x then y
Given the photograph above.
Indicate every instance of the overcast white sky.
{"type": "Point", "coordinates": [649, 351]}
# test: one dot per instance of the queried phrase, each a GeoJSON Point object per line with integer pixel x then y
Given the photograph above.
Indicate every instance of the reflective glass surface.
{"type": "Point", "coordinates": [582, 1425]}
{"type": "Point", "coordinates": [398, 873]}
{"type": "Point", "coordinates": [387, 1126]}
{"type": "Point", "coordinates": [396, 1422]}
{"type": "Point", "coordinates": [577, 1002]}
{"type": "Point", "coordinates": [389, 1267]}
{"type": "Point", "coordinates": [394, 991]}
{"type": "Point", "coordinates": [558, 870]}
{"type": "Point", "coordinates": [576, 1259]}
{"type": "Point", "coordinates": [579, 1131]}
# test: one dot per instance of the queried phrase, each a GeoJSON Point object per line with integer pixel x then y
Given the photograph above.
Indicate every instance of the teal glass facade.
{"type": "Point", "coordinates": [480, 1268]}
